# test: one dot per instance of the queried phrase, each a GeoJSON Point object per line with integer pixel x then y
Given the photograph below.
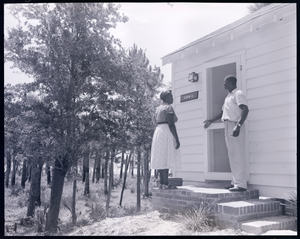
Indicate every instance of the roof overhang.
{"type": "Point", "coordinates": [231, 32]}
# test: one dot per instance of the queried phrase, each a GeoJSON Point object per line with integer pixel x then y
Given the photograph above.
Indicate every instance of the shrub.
{"type": "Point", "coordinates": [116, 181]}
{"type": "Point", "coordinates": [291, 202]}
{"type": "Point", "coordinates": [199, 218]}
{"type": "Point", "coordinates": [130, 209]}
{"type": "Point", "coordinates": [132, 189]}
{"type": "Point", "coordinates": [67, 202]}
{"type": "Point", "coordinates": [82, 222]}
{"type": "Point", "coordinates": [16, 190]}
{"type": "Point", "coordinates": [98, 212]}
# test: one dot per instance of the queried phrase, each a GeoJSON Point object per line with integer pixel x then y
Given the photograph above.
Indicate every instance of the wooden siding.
{"type": "Point", "coordinates": [273, 134]}
{"type": "Point", "coordinates": [272, 123]}
{"type": "Point", "coordinates": [271, 92]}
{"type": "Point", "coordinates": [268, 180]}
{"type": "Point", "coordinates": [276, 77]}
{"type": "Point", "coordinates": [190, 176]}
{"type": "Point", "coordinates": [269, 82]}
{"type": "Point", "coordinates": [277, 168]}
{"type": "Point", "coordinates": [273, 157]}
{"type": "Point", "coordinates": [272, 191]}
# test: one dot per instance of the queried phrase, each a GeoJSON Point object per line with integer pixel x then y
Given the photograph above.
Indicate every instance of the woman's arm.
{"type": "Point", "coordinates": [170, 120]}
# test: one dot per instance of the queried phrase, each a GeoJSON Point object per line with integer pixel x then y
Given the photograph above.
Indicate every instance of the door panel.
{"type": "Point", "coordinates": [217, 164]}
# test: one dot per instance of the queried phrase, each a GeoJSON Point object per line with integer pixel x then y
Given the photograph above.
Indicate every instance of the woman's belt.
{"type": "Point", "coordinates": [162, 122]}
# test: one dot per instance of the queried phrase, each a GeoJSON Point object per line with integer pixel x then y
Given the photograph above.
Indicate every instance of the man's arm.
{"type": "Point", "coordinates": [209, 121]}
{"type": "Point", "coordinates": [244, 114]}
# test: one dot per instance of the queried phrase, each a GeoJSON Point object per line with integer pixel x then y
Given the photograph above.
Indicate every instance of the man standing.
{"type": "Point", "coordinates": [234, 113]}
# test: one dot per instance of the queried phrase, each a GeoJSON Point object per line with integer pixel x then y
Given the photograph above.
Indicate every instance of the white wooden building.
{"type": "Point", "coordinates": [260, 49]}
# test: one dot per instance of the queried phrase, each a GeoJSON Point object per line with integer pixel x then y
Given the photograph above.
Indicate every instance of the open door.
{"type": "Point", "coordinates": [216, 155]}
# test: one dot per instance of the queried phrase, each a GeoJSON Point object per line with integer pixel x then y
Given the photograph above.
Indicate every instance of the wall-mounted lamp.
{"type": "Point", "coordinates": [193, 77]}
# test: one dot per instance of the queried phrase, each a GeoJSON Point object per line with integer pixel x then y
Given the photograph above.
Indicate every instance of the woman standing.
{"type": "Point", "coordinates": [165, 153]}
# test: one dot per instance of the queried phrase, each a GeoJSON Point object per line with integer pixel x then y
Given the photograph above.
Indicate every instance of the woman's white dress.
{"type": "Point", "coordinates": [163, 152]}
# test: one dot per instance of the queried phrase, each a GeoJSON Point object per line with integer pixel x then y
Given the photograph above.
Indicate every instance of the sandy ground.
{"type": "Point", "coordinates": [152, 223]}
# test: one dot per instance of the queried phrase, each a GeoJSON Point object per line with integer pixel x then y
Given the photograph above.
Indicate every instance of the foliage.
{"type": "Point", "coordinates": [291, 201]}
{"type": "Point", "coordinates": [256, 6]}
{"type": "Point", "coordinates": [19, 196]}
{"type": "Point", "coordinates": [132, 189]}
{"type": "Point", "coordinates": [87, 92]}
{"type": "Point", "coordinates": [199, 218]}
{"type": "Point", "coordinates": [98, 211]}
{"type": "Point", "coordinates": [131, 210]}
{"type": "Point", "coordinates": [16, 190]}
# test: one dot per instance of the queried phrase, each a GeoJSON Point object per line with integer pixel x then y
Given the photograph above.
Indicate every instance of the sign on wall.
{"type": "Point", "coordinates": [189, 96]}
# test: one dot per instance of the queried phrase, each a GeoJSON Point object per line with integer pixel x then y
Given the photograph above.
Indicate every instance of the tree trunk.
{"type": "Point", "coordinates": [132, 167]}
{"type": "Point", "coordinates": [29, 170]}
{"type": "Point", "coordinates": [112, 167]}
{"type": "Point", "coordinates": [59, 173]}
{"type": "Point", "coordinates": [146, 177]}
{"type": "Point", "coordinates": [111, 178]}
{"type": "Point", "coordinates": [87, 175]}
{"type": "Point", "coordinates": [39, 175]}
{"type": "Point", "coordinates": [84, 172]}
{"type": "Point", "coordinates": [8, 168]}
{"type": "Point", "coordinates": [13, 173]}
{"type": "Point", "coordinates": [73, 207]}
{"type": "Point", "coordinates": [35, 187]}
{"type": "Point", "coordinates": [138, 180]}
{"type": "Point", "coordinates": [142, 170]}
{"type": "Point", "coordinates": [122, 162]}
{"type": "Point", "coordinates": [24, 170]}
{"type": "Point", "coordinates": [98, 165]}
{"type": "Point", "coordinates": [105, 172]}
{"type": "Point", "coordinates": [48, 172]}
{"type": "Point", "coordinates": [125, 175]}
{"type": "Point", "coordinates": [94, 169]}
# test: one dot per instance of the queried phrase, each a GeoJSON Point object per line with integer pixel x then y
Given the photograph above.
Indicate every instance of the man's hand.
{"type": "Point", "coordinates": [177, 145]}
{"type": "Point", "coordinates": [236, 131]}
{"type": "Point", "coordinates": [207, 123]}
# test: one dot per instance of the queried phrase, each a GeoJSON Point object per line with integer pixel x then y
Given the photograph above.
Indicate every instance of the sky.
{"type": "Point", "coordinates": [157, 28]}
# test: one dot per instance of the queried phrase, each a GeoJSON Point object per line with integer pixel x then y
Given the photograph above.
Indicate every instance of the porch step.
{"type": "Point", "coordinates": [232, 214]}
{"type": "Point", "coordinates": [269, 223]}
{"type": "Point", "coordinates": [184, 197]}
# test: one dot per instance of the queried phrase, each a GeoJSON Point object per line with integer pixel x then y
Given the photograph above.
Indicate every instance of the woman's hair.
{"type": "Point", "coordinates": [163, 94]}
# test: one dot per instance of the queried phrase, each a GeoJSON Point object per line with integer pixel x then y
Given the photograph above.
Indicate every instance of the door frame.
{"type": "Point", "coordinates": [239, 59]}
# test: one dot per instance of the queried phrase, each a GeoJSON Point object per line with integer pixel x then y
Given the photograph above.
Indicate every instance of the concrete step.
{"type": "Point", "coordinates": [263, 225]}
{"type": "Point", "coordinates": [231, 214]}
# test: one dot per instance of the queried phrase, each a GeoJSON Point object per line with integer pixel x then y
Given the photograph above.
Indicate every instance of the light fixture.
{"type": "Point", "coordinates": [193, 77]}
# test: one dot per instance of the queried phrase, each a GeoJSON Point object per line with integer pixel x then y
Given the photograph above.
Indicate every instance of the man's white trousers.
{"type": "Point", "coordinates": [236, 154]}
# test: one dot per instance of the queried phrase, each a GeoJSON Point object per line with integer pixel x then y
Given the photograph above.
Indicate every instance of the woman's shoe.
{"type": "Point", "coordinates": [229, 186]}
{"type": "Point", "coordinates": [169, 186]}
{"type": "Point", "coordinates": [237, 189]}
{"type": "Point", "coordinates": [163, 186]}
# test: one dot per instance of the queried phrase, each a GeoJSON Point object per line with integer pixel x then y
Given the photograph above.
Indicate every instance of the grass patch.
{"type": "Point", "coordinates": [199, 218]}
{"type": "Point", "coordinates": [291, 202]}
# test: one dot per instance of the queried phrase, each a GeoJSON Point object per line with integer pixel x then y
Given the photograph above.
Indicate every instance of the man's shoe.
{"type": "Point", "coordinates": [237, 189]}
{"type": "Point", "coordinates": [229, 186]}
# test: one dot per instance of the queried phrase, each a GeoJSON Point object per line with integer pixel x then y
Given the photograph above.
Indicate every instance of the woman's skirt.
{"type": "Point", "coordinates": [163, 152]}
